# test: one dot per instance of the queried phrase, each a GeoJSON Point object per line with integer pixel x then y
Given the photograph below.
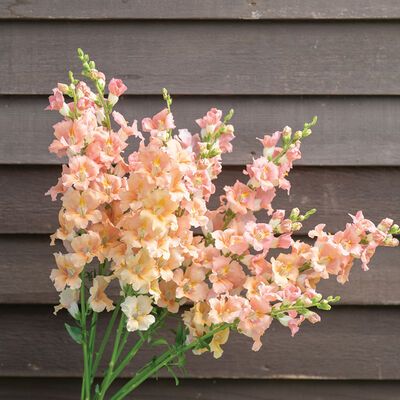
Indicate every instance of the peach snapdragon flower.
{"type": "Point", "coordinates": [69, 268]}
{"type": "Point", "coordinates": [98, 300]}
{"type": "Point", "coordinates": [81, 207]}
{"type": "Point", "coordinates": [137, 310]}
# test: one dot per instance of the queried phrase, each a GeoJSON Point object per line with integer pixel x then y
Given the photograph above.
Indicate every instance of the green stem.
{"type": "Point", "coordinates": [128, 358]}
{"type": "Point", "coordinates": [122, 344]}
{"type": "Point", "coordinates": [160, 362]}
{"type": "Point", "coordinates": [104, 104]}
{"type": "Point", "coordinates": [285, 149]}
{"type": "Point", "coordinates": [92, 337]}
{"type": "Point", "coordinates": [85, 394]}
{"type": "Point", "coordinates": [103, 344]}
{"type": "Point", "coordinates": [111, 365]}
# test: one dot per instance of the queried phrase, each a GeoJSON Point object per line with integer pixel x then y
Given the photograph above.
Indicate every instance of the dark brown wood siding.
{"type": "Point", "coordinates": [276, 63]}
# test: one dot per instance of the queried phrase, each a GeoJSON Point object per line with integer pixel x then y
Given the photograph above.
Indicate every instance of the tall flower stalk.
{"type": "Point", "coordinates": [144, 226]}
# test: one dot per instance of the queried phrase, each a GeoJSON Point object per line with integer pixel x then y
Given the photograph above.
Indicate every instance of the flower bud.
{"type": "Point", "coordinates": [306, 132]}
{"type": "Point", "coordinates": [298, 135]}
{"type": "Point", "coordinates": [63, 88]}
{"type": "Point", "coordinates": [294, 214]}
{"type": "Point", "coordinates": [312, 317]}
{"type": "Point", "coordinates": [296, 226]}
{"type": "Point", "coordinates": [113, 99]}
{"type": "Point", "coordinates": [286, 134]}
{"type": "Point", "coordinates": [74, 311]}
{"type": "Point", "coordinates": [65, 110]}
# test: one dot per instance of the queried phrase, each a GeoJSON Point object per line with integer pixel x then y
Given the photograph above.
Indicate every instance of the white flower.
{"type": "Point", "coordinates": [138, 309]}
{"type": "Point", "coordinates": [69, 300]}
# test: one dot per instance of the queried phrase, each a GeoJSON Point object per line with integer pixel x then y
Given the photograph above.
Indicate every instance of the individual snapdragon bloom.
{"type": "Point", "coordinates": [210, 122]}
{"type": "Point", "coordinates": [57, 103]}
{"type": "Point", "coordinates": [126, 130]}
{"type": "Point", "coordinates": [69, 300]}
{"type": "Point", "coordinates": [240, 198]}
{"type": "Point", "coordinates": [98, 299]}
{"type": "Point", "coordinates": [69, 268]}
{"type": "Point", "coordinates": [110, 185]}
{"type": "Point", "coordinates": [106, 148]}
{"type": "Point", "coordinates": [139, 231]}
{"type": "Point", "coordinates": [263, 174]}
{"type": "Point", "coordinates": [269, 143]}
{"type": "Point", "coordinates": [138, 185]}
{"type": "Point", "coordinates": [285, 268]}
{"type": "Point", "coordinates": [168, 298]}
{"type": "Point", "coordinates": [160, 209]}
{"type": "Point", "coordinates": [255, 320]}
{"type": "Point", "coordinates": [197, 321]}
{"type": "Point", "coordinates": [196, 209]}
{"type": "Point", "coordinates": [159, 124]}
{"type": "Point", "coordinates": [258, 265]}
{"type": "Point", "coordinates": [73, 135]}
{"type": "Point", "coordinates": [191, 283]}
{"type": "Point", "coordinates": [68, 138]}
{"type": "Point", "coordinates": [81, 172]}
{"type": "Point", "coordinates": [56, 100]}
{"type": "Point", "coordinates": [292, 320]}
{"type": "Point", "coordinates": [227, 309]}
{"type": "Point", "coordinates": [224, 141]}
{"type": "Point", "coordinates": [227, 275]}
{"type": "Point", "coordinates": [87, 244]}
{"type": "Point", "coordinates": [116, 88]}
{"type": "Point", "coordinates": [138, 312]}
{"type": "Point", "coordinates": [230, 240]}
{"type": "Point", "coordinates": [259, 236]}
{"type": "Point", "coordinates": [137, 270]}
{"type": "Point", "coordinates": [219, 339]}
{"type": "Point", "coordinates": [66, 230]}
{"type": "Point", "coordinates": [167, 267]}
{"type": "Point", "coordinates": [82, 207]}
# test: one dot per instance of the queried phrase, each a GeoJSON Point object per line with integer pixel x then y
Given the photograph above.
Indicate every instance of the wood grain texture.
{"type": "Point", "coordinates": [195, 9]}
{"type": "Point", "coordinates": [31, 255]}
{"type": "Point", "coordinates": [349, 343]}
{"type": "Point", "coordinates": [333, 191]}
{"type": "Point", "coordinates": [218, 57]}
{"type": "Point", "coordinates": [351, 130]}
{"type": "Point", "coordinates": [207, 389]}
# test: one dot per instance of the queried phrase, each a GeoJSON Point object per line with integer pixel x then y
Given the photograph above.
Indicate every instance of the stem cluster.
{"type": "Point", "coordinates": [121, 356]}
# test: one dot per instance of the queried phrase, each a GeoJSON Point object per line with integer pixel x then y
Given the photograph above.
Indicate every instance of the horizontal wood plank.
{"type": "Point", "coordinates": [349, 343]}
{"type": "Point", "coordinates": [206, 389]}
{"type": "Point", "coordinates": [31, 255]}
{"type": "Point", "coordinates": [350, 131]}
{"type": "Point", "coordinates": [333, 191]}
{"type": "Point", "coordinates": [195, 9]}
{"type": "Point", "coordinates": [214, 57]}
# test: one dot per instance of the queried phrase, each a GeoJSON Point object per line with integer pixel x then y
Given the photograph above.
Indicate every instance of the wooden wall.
{"type": "Point", "coordinates": [276, 63]}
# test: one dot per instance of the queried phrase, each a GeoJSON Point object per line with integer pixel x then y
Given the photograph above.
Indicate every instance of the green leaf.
{"type": "Point", "coordinates": [171, 371]}
{"type": "Point", "coordinates": [75, 332]}
{"type": "Point", "coordinates": [181, 334]}
{"type": "Point", "coordinates": [159, 342]}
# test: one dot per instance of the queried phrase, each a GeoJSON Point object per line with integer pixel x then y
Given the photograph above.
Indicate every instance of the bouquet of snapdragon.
{"type": "Point", "coordinates": [144, 225]}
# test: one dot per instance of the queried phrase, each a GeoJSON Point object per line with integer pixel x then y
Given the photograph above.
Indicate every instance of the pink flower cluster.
{"type": "Point", "coordinates": [137, 218]}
